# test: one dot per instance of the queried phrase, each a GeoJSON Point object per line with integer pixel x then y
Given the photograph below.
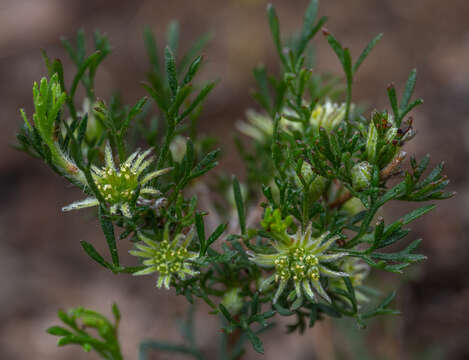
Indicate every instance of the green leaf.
{"type": "Point", "coordinates": [329, 310]}
{"type": "Point", "coordinates": [239, 205]}
{"type": "Point", "coordinates": [81, 70]}
{"type": "Point", "coordinates": [366, 52]}
{"type": "Point", "coordinates": [92, 253]}
{"type": "Point", "coordinates": [130, 269]}
{"type": "Point", "coordinates": [263, 96]}
{"type": "Point", "coordinates": [195, 49]}
{"type": "Point", "coordinates": [382, 308]}
{"type": "Point", "coordinates": [193, 68]}
{"type": "Point", "coordinates": [170, 62]}
{"type": "Point", "coordinates": [82, 129]}
{"type": "Point", "coordinates": [347, 64]}
{"type": "Point", "coordinates": [394, 192]}
{"type": "Point", "coordinates": [255, 341]}
{"type": "Point", "coordinates": [108, 230]}
{"type": "Point", "coordinates": [351, 292]}
{"type": "Point", "coordinates": [226, 313]}
{"type": "Point", "coordinates": [47, 62]}
{"type": "Point", "coordinates": [309, 18]}
{"type": "Point", "coordinates": [282, 311]}
{"type": "Point", "coordinates": [393, 101]}
{"type": "Point", "coordinates": [337, 47]}
{"type": "Point", "coordinates": [181, 96]}
{"type": "Point", "coordinates": [216, 234]}
{"type": "Point", "coordinates": [172, 36]}
{"type": "Point", "coordinates": [57, 68]}
{"type": "Point", "coordinates": [206, 164]}
{"type": "Point", "coordinates": [417, 213]}
{"type": "Point", "coordinates": [63, 316]}
{"type": "Point", "coordinates": [152, 49]}
{"type": "Point", "coordinates": [116, 312]}
{"type": "Point", "coordinates": [200, 227]}
{"type": "Point", "coordinates": [309, 29]}
{"type": "Point", "coordinates": [409, 89]}
{"type": "Point", "coordinates": [58, 331]}
{"type": "Point", "coordinates": [134, 111]}
{"type": "Point", "coordinates": [158, 97]}
{"type": "Point", "coordinates": [402, 256]}
{"type": "Point", "coordinates": [410, 108]}
{"type": "Point", "coordinates": [200, 97]}
{"type": "Point", "coordinates": [80, 320]}
{"type": "Point", "coordinates": [276, 152]}
{"type": "Point", "coordinates": [275, 30]}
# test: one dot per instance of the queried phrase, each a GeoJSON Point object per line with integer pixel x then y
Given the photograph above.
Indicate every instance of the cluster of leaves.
{"type": "Point", "coordinates": [79, 322]}
{"type": "Point", "coordinates": [323, 169]}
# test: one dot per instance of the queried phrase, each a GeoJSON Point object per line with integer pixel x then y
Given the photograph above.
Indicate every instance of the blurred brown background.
{"type": "Point", "coordinates": [43, 266]}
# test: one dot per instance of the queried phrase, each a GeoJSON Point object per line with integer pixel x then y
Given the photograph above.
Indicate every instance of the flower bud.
{"type": "Point", "coordinates": [328, 116]}
{"type": "Point", "coordinates": [390, 134]}
{"type": "Point", "coordinates": [371, 142]}
{"type": "Point", "coordinates": [233, 301]}
{"type": "Point", "coordinates": [94, 128]}
{"type": "Point", "coordinates": [178, 148]}
{"type": "Point", "coordinates": [317, 182]}
{"type": "Point", "coordinates": [361, 175]}
{"type": "Point", "coordinates": [353, 206]}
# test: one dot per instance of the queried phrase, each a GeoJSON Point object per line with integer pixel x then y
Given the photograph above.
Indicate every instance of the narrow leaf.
{"type": "Point", "coordinates": [255, 341]}
{"type": "Point", "coordinates": [92, 253]}
{"type": "Point", "coordinates": [171, 69]}
{"type": "Point", "coordinates": [393, 101]}
{"type": "Point", "coordinates": [108, 230]}
{"type": "Point", "coordinates": [366, 52]}
{"type": "Point", "coordinates": [152, 49]}
{"type": "Point", "coordinates": [409, 89]}
{"type": "Point", "coordinates": [200, 227]}
{"type": "Point", "coordinates": [216, 234]}
{"type": "Point", "coordinates": [275, 30]}
{"type": "Point", "coordinates": [417, 213]}
{"type": "Point", "coordinates": [335, 45]}
{"type": "Point", "coordinates": [239, 205]}
{"type": "Point", "coordinates": [88, 62]}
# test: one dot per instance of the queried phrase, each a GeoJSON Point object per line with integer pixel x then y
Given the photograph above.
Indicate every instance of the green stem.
{"type": "Point", "coordinates": [121, 148]}
{"type": "Point", "coordinates": [348, 100]}
{"type": "Point", "coordinates": [167, 141]}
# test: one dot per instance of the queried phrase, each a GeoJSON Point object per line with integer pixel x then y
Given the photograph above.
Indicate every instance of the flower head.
{"type": "Point", "coordinates": [167, 258]}
{"type": "Point", "coordinates": [299, 260]}
{"type": "Point", "coordinates": [118, 185]}
{"type": "Point", "coordinates": [328, 116]}
{"type": "Point", "coordinates": [260, 127]}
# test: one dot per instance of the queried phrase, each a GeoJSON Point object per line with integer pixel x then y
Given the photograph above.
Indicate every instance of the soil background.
{"type": "Point", "coordinates": [43, 267]}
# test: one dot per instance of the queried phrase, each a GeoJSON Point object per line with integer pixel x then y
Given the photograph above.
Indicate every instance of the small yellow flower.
{"type": "Point", "coordinates": [167, 258]}
{"type": "Point", "coordinates": [118, 185]}
{"type": "Point", "coordinates": [298, 260]}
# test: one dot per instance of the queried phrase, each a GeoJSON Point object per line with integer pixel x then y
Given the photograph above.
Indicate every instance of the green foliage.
{"type": "Point", "coordinates": [297, 240]}
{"type": "Point", "coordinates": [78, 324]}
